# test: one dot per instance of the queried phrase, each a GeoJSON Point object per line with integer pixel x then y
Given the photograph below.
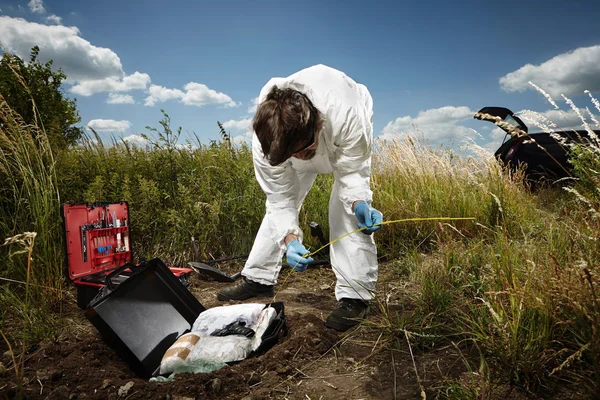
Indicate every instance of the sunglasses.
{"type": "Point", "coordinates": [308, 144]}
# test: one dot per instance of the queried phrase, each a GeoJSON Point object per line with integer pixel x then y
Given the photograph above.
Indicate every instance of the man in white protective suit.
{"type": "Point", "coordinates": [317, 120]}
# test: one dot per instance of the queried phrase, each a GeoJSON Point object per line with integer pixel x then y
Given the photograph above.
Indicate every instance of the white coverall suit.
{"type": "Point", "coordinates": [344, 149]}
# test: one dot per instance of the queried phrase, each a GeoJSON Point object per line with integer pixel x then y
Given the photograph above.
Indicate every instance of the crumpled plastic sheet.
{"type": "Point", "coordinates": [219, 317]}
{"type": "Point", "coordinates": [194, 366]}
{"type": "Point", "coordinates": [233, 347]}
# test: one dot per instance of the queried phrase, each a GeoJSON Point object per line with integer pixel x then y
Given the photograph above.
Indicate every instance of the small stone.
{"type": "Point", "coordinates": [42, 375]}
{"type": "Point", "coordinates": [61, 392]}
{"type": "Point", "coordinates": [124, 390]}
{"type": "Point", "coordinates": [325, 287]}
{"type": "Point", "coordinates": [254, 379]}
{"type": "Point", "coordinates": [284, 370]}
{"type": "Point", "coordinates": [55, 374]}
{"type": "Point", "coordinates": [350, 359]}
{"type": "Point", "coordinates": [106, 383]}
{"type": "Point", "coordinates": [8, 354]}
{"type": "Point", "coordinates": [2, 370]}
{"type": "Point", "coordinates": [215, 385]}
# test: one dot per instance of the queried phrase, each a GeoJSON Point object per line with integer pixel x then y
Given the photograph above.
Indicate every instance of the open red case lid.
{"type": "Point", "coordinates": [97, 237]}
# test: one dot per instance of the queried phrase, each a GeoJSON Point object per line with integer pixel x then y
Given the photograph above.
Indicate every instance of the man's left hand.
{"type": "Point", "coordinates": [368, 217]}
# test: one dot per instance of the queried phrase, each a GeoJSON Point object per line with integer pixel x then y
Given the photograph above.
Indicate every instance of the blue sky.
{"type": "Point", "coordinates": [430, 63]}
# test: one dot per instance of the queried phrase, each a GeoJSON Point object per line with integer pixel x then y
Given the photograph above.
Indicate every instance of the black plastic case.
{"type": "Point", "coordinates": [145, 314]}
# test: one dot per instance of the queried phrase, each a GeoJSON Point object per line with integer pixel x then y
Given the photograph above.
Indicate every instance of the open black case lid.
{"type": "Point", "coordinates": [144, 315]}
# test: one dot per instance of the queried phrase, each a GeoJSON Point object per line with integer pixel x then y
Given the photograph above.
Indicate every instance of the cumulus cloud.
{"type": "Point", "coordinates": [136, 80]}
{"type": "Point", "coordinates": [136, 140]}
{"type": "Point", "coordinates": [254, 106]}
{"type": "Point", "coordinates": [160, 94]}
{"type": "Point", "coordinates": [37, 6]}
{"type": "Point", "coordinates": [568, 73]}
{"type": "Point", "coordinates": [108, 125]}
{"type": "Point", "coordinates": [194, 94]}
{"type": "Point", "coordinates": [246, 137]}
{"type": "Point", "coordinates": [78, 58]}
{"type": "Point", "coordinates": [436, 125]}
{"type": "Point", "coordinates": [242, 124]}
{"type": "Point", "coordinates": [198, 94]}
{"type": "Point", "coordinates": [54, 19]}
{"type": "Point", "coordinates": [115, 98]}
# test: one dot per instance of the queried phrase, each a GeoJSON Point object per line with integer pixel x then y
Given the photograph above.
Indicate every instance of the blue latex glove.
{"type": "Point", "coordinates": [367, 217]}
{"type": "Point", "coordinates": [295, 251]}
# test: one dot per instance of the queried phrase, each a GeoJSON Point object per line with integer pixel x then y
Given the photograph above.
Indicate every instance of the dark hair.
{"type": "Point", "coordinates": [283, 121]}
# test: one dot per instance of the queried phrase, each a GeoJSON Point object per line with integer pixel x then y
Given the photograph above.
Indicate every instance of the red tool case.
{"type": "Point", "coordinates": [97, 242]}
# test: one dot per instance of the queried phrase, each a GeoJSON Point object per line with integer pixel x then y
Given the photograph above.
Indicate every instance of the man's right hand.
{"type": "Point", "coordinates": [294, 256]}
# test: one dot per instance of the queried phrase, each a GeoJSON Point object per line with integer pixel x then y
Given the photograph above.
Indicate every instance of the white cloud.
{"type": "Point", "coordinates": [136, 80]}
{"type": "Point", "coordinates": [136, 140]}
{"type": "Point", "coordinates": [195, 94]}
{"type": "Point", "coordinates": [254, 106]}
{"type": "Point", "coordinates": [242, 124]}
{"type": "Point", "coordinates": [246, 137]}
{"type": "Point", "coordinates": [569, 73]}
{"type": "Point", "coordinates": [78, 58]}
{"type": "Point", "coordinates": [159, 94]}
{"type": "Point", "coordinates": [198, 94]}
{"type": "Point", "coordinates": [108, 125]}
{"type": "Point", "coordinates": [37, 6]}
{"type": "Point", "coordinates": [115, 98]}
{"type": "Point", "coordinates": [435, 125]}
{"type": "Point", "coordinates": [54, 19]}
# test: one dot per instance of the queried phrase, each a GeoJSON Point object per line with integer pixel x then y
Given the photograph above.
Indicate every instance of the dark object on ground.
{"type": "Point", "coordinates": [547, 164]}
{"type": "Point", "coordinates": [348, 314]}
{"type": "Point", "coordinates": [234, 328]}
{"type": "Point", "coordinates": [206, 271]}
{"type": "Point", "coordinates": [245, 289]}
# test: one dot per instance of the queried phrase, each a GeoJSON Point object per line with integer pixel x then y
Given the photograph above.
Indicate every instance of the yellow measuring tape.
{"type": "Point", "coordinates": [391, 222]}
{"type": "Point", "coordinates": [362, 229]}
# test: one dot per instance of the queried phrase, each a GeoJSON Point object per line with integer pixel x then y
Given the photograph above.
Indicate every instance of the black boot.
{"type": "Point", "coordinates": [245, 289]}
{"type": "Point", "coordinates": [347, 315]}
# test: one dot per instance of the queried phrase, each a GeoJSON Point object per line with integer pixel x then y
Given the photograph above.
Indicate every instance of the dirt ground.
{"type": "Point", "coordinates": [309, 362]}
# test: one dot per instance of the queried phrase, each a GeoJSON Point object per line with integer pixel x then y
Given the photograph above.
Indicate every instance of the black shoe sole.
{"type": "Point", "coordinates": [222, 297]}
{"type": "Point", "coordinates": [341, 326]}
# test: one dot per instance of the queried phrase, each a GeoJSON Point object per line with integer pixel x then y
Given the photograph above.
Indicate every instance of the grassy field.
{"type": "Point", "coordinates": [518, 284]}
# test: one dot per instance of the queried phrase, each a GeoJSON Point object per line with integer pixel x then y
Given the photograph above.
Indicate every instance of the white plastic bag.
{"type": "Point", "coordinates": [219, 317]}
{"type": "Point", "coordinates": [233, 347]}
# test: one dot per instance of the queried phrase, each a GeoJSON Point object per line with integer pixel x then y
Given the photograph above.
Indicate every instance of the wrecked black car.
{"type": "Point", "coordinates": [544, 159]}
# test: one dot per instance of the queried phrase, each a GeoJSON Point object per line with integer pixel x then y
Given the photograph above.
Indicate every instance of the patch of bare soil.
{"type": "Point", "coordinates": [309, 362]}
